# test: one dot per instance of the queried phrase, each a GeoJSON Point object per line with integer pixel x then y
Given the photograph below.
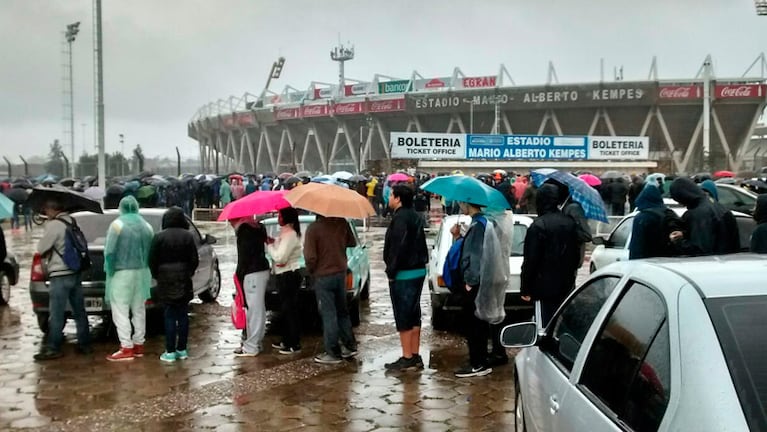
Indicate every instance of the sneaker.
{"type": "Point", "coordinates": [48, 354]}
{"type": "Point", "coordinates": [326, 358]}
{"type": "Point", "coordinates": [122, 354]}
{"type": "Point", "coordinates": [138, 350]}
{"type": "Point", "coordinates": [290, 350]}
{"type": "Point", "coordinates": [239, 352]}
{"type": "Point", "coordinates": [468, 371]}
{"type": "Point", "coordinates": [182, 354]}
{"type": "Point", "coordinates": [418, 361]}
{"type": "Point", "coordinates": [279, 346]}
{"type": "Point", "coordinates": [168, 357]}
{"type": "Point", "coordinates": [347, 353]}
{"type": "Point", "coordinates": [402, 364]}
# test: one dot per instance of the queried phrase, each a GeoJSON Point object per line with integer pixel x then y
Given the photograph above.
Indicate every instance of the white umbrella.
{"type": "Point", "coordinates": [343, 175]}
{"type": "Point", "coordinates": [95, 193]}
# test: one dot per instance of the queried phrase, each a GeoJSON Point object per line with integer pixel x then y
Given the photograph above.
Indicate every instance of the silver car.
{"type": "Point", "coordinates": [672, 345]}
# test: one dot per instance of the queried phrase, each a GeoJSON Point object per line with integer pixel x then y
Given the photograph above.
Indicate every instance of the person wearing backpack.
{"type": "Point", "coordinates": [173, 260]}
{"type": "Point", "coordinates": [65, 282]}
{"type": "Point", "coordinates": [128, 279]}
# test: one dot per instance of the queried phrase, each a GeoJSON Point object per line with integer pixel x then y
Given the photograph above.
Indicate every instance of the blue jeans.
{"type": "Point", "coordinates": [176, 323]}
{"type": "Point", "coordinates": [331, 303]}
{"type": "Point", "coordinates": [63, 289]}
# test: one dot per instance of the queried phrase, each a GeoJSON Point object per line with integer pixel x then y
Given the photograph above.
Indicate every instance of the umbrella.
{"type": "Point", "coordinates": [580, 191]}
{"type": "Point", "coordinates": [285, 175]}
{"type": "Point", "coordinates": [304, 174]}
{"type": "Point", "coordinates": [398, 177]}
{"type": "Point", "coordinates": [115, 189]}
{"type": "Point", "coordinates": [17, 195]}
{"type": "Point", "coordinates": [324, 179]}
{"type": "Point", "coordinates": [95, 193]}
{"type": "Point", "coordinates": [757, 186]}
{"type": "Point", "coordinates": [612, 175]}
{"type": "Point", "coordinates": [357, 178]}
{"type": "Point", "coordinates": [22, 183]}
{"type": "Point", "coordinates": [71, 201]}
{"type": "Point", "coordinates": [590, 179]}
{"type": "Point", "coordinates": [292, 180]}
{"type": "Point", "coordinates": [726, 180]}
{"type": "Point", "coordinates": [68, 182]}
{"type": "Point", "coordinates": [256, 203]}
{"type": "Point", "coordinates": [6, 207]}
{"type": "Point", "coordinates": [343, 175]}
{"type": "Point", "coordinates": [330, 201]}
{"type": "Point", "coordinates": [466, 189]}
{"type": "Point", "coordinates": [145, 192]}
{"type": "Point", "coordinates": [720, 174]}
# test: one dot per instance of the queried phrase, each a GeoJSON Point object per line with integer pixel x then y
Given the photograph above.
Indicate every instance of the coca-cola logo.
{"type": "Point", "coordinates": [740, 91]}
{"type": "Point", "coordinates": [382, 106]}
{"type": "Point", "coordinates": [348, 108]}
{"type": "Point", "coordinates": [314, 110]}
{"type": "Point", "coordinates": [286, 114]}
{"type": "Point", "coordinates": [676, 92]}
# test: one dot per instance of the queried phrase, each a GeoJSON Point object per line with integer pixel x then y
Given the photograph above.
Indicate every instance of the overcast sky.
{"type": "Point", "coordinates": [165, 59]}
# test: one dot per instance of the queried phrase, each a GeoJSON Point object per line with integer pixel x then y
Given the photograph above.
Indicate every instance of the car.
{"type": "Point", "coordinates": [206, 279]}
{"type": "Point", "coordinates": [736, 198]}
{"type": "Point", "coordinates": [443, 302]}
{"type": "Point", "coordinates": [673, 344]}
{"type": "Point", "coordinates": [615, 247]}
{"type": "Point", "coordinates": [357, 275]}
{"type": "Point", "coordinates": [9, 276]}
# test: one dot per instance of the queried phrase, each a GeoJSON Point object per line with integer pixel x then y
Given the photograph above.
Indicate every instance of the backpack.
{"type": "Point", "coordinates": [451, 270]}
{"type": "Point", "coordinates": [75, 255]}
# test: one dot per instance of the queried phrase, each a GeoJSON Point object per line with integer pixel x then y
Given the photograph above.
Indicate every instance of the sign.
{"type": "Point", "coordinates": [227, 121]}
{"type": "Point", "coordinates": [432, 84]}
{"type": "Point", "coordinates": [348, 108]}
{"type": "Point", "coordinates": [513, 147]}
{"type": "Point", "coordinates": [319, 110]}
{"type": "Point", "coordinates": [356, 89]}
{"type": "Point", "coordinates": [680, 92]}
{"type": "Point", "coordinates": [406, 145]}
{"type": "Point", "coordinates": [619, 147]}
{"type": "Point", "coordinates": [286, 113]}
{"type": "Point", "coordinates": [386, 105]}
{"type": "Point", "coordinates": [478, 82]}
{"type": "Point", "coordinates": [739, 91]}
{"type": "Point", "coordinates": [244, 119]}
{"type": "Point", "coordinates": [400, 86]}
{"type": "Point", "coordinates": [324, 93]}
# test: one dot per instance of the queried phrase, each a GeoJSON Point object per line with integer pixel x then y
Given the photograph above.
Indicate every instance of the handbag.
{"type": "Point", "coordinates": [239, 319]}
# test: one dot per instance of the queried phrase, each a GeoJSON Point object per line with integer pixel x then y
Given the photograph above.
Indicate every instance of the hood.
{"type": "Point", "coordinates": [128, 205]}
{"type": "Point", "coordinates": [174, 218]}
{"type": "Point", "coordinates": [710, 187]}
{"type": "Point", "coordinates": [547, 199]}
{"type": "Point", "coordinates": [650, 197]}
{"type": "Point", "coordinates": [686, 192]}
{"type": "Point", "coordinates": [760, 215]}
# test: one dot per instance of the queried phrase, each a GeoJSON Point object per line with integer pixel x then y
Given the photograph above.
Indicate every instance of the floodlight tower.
{"type": "Point", "coordinates": [761, 7]}
{"type": "Point", "coordinates": [341, 55]}
{"type": "Point", "coordinates": [69, 36]}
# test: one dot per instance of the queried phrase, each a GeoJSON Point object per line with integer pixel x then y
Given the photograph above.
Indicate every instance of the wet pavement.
{"type": "Point", "coordinates": [213, 390]}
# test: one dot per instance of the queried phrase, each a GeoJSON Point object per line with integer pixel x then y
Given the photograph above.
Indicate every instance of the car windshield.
{"type": "Point", "coordinates": [740, 324]}
{"type": "Point", "coordinates": [94, 226]}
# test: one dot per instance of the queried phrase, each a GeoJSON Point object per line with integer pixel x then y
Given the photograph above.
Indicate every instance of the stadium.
{"type": "Point", "coordinates": [347, 126]}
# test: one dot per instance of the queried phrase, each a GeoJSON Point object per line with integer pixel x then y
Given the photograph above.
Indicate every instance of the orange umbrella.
{"type": "Point", "coordinates": [330, 200]}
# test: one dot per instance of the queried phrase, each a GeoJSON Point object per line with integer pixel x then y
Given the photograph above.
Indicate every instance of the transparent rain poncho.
{"type": "Point", "coordinates": [494, 269]}
{"type": "Point", "coordinates": [129, 239]}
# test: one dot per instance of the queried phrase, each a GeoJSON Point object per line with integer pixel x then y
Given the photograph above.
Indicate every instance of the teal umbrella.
{"type": "Point", "coordinates": [466, 189]}
{"type": "Point", "coordinates": [6, 207]}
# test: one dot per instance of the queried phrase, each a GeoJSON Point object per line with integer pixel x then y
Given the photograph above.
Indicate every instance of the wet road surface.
{"type": "Point", "coordinates": [213, 390]}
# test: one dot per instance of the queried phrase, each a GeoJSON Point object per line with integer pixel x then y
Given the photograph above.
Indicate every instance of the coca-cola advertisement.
{"type": "Point", "coordinates": [245, 119]}
{"type": "Point", "coordinates": [739, 91]}
{"type": "Point", "coordinates": [314, 110]}
{"type": "Point", "coordinates": [348, 108]}
{"type": "Point", "coordinates": [678, 92]}
{"type": "Point", "coordinates": [388, 105]}
{"type": "Point", "coordinates": [286, 113]}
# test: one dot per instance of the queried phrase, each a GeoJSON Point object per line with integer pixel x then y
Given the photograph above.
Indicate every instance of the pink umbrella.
{"type": "Point", "coordinates": [256, 203]}
{"type": "Point", "coordinates": [590, 179]}
{"type": "Point", "coordinates": [398, 177]}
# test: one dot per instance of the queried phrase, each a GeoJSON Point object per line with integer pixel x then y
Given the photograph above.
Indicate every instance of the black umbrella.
{"type": "Point", "coordinates": [70, 200]}
{"type": "Point", "coordinates": [68, 182]}
{"type": "Point", "coordinates": [17, 195]}
{"type": "Point", "coordinates": [757, 186]}
{"type": "Point", "coordinates": [611, 175]}
{"type": "Point", "coordinates": [22, 182]}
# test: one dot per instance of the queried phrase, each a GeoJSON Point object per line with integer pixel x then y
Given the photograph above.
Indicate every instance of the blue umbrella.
{"type": "Point", "coordinates": [466, 189]}
{"type": "Point", "coordinates": [6, 207]}
{"type": "Point", "coordinates": [582, 193]}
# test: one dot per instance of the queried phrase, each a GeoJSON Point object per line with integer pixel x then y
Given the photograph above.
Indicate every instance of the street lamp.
{"type": "Point", "coordinates": [122, 151]}
{"type": "Point", "coordinates": [274, 73]}
{"type": "Point", "coordinates": [72, 30]}
{"type": "Point", "coordinates": [761, 7]}
{"type": "Point", "coordinates": [471, 114]}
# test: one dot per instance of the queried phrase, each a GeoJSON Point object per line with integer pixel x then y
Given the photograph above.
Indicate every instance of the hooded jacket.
{"type": "Point", "coordinates": [652, 225]}
{"type": "Point", "coordinates": [759, 236]}
{"type": "Point", "coordinates": [173, 259]}
{"type": "Point", "coordinates": [701, 221]}
{"type": "Point", "coordinates": [552, 250]}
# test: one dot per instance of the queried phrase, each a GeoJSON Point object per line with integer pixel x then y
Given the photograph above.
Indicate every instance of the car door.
{"type": "Point", "coordinates": [203, 273]}
{"type": "Point", "coordinates": [735, 200]}
{"type": "Point", "coordinates": [625, 381]}
{"type": "Point", "coordinates": [357, 259]}
{"type": "Point", "coordinates": [616, 246]}
{"type": "Point", "coordinates": [546, 368]}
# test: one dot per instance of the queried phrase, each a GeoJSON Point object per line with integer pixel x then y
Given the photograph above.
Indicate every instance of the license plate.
{"type": "Point", "coordinates": [94, 304]}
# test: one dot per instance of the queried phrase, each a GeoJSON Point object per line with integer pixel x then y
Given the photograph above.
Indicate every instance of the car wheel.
{"type": "Point", "coordinates": [5, 289]}
{"type": "Point", "coordinates": [354, 311]}
{"type": "Point", "coordinates": [592, 268]}
{"type": "Point", "coordinates": [365, 293]}
{"type": "Point", "coordinates": [439, 319]}
{"type": "Point", "coordinates": [210, 295]}
{"type": "Point", "coordinates": [42, 322]}
{"type": "Point", "coordinates": [519, 412]}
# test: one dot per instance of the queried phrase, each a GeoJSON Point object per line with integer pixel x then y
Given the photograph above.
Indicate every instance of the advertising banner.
{"type": "Point", "coordinates": [686, 92]}
{"type": "Point", "coordinates": [400, 86]}
{"type": "Point", "coordinates": [513, 147]}
{"type": "Point", "coordinates": [324, 93]}
{"type": "Point", "coordinates": [265, 116]}
{"type": "Point", "coordinates": [348, 108]}
{"type": "Point", "coordinates": [244, 119]}
{"type": "Point", "coordinates": [619, 147]}
{"type": "Point", "coordinates": [739, 91]}
{"type": "Point", "coordinates": [406, 145]}
{"type": "Point", "coordinates": [432, 84]}
{"type": "Point", "coordinates": [286, 113]}
{"type": "Point", "coordinates": [227, 121]}
{"type": "Point", "coordinates": [356, 89]}
{"type": "Point", "coordinates": [386, 105]}
{"type": "Point", "coordinates": [315, 110]}
{"type": "Point", "coordinates": [477, 82]}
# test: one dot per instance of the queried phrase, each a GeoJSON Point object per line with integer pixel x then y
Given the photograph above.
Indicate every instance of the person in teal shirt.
{"type": "Point", "coordinates": [225, 192]}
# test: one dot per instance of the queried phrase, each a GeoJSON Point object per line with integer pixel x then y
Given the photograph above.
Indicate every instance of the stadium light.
{"type": "Point", "coordinates": [277, 67]}
{"type": "Point", "coordinates": [761, 7]}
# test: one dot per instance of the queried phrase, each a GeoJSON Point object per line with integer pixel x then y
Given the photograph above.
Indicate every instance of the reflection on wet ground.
{"type": "Point", "coordinates": [214, 390]}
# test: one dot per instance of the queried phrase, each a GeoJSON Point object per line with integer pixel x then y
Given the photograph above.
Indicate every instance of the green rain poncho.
{"type": "Point", "coordinates": [226, 193]}
{"type": "Point", "coordinates": [129, 239]}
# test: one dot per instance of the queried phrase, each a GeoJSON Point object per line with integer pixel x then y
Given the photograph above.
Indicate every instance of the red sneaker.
{"type": "Point", "coordinates": [122, 354]}
{"type": "Point", "coordinates": [138, 350]}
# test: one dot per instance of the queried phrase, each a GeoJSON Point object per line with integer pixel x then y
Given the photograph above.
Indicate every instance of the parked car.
{"type": "Point", "coordinates": [9, 276]}
{"type": "Point", "coordinates": [357, 275]}
{"type": "Point", "coordinates": [661, 344]}
{"type": "Point", "coordinates": [443, 302]}
{"type": "Point", "coordinates": [731, 197]}
{"type": "Point", "coordinates": [616, 246]}
{"type": "Point", "coordinates": [206, 280]}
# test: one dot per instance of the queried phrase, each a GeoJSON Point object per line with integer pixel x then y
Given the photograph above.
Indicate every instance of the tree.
{"type": "Point", "coordinates": [55, 163]}
{"type": "Point", "coordinates": [138, 156]}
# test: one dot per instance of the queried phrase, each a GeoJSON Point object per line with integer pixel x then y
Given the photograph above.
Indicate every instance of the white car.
{"type": "Point", "coordinates": [443, 303]}
{"type": "Point", "coordinates": [615, 247]}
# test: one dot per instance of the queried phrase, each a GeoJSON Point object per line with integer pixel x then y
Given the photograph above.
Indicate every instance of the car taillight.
{"type": "Point", "coordinates": [36, 275]}
{"type": "Point", "coordinates": [349, 281]}
{"type": "Point", "coordinates": [441, 282]}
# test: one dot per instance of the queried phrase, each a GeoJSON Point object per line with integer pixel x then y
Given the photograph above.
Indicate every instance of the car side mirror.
{"type": "Point", "coordinates": [599, 240]}
{"type": "Point", "coordinates": [209, 239]}
{"type": "Point", "coordinates": [519, 335]}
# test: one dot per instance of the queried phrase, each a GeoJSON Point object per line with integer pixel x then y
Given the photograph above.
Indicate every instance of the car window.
{"type": "Point", "coordinates": [569, 328]}
{"type": "Point", "coordinates": [740, 325]}
{"type": "Point", "coordinates": [746, 227]}
{"type": "Point", "coordinates": [628, 366]}
{"type": "Point", "coordinates": [620, 236]}
{"type": "Point", "coordinates": [518, 239]}
{"type": "Point", "coordinates": [195, 233]}
{"type": "Point", "coordinates": [94, 226]}
{"type": "Point", "coordinates": [726, 197]}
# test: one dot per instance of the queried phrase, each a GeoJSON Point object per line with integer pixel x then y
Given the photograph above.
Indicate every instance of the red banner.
{"type": "Point", "coordinates": [348, 108]}
{"type": "Point", "coordinates": [286, 113]}
{"type": "Point", "coordinates": [245, 119]}
{"type": "Point", "coordinates": [388, 105]}
{"type": "Point", "coordinates": [323, 93]}
{"type": "Point", "coordinates": [356, 89]}
{"type": "Point", "coordinates": [479, 82]}
{"type": "Point", "coordinates": [680, 92]}
{"type": "Point", "coordinates": [315, 110]}
{"type": "Point", "coordinates": [739, 91]}
{"type": "Point", "coordinates": [227, 121]}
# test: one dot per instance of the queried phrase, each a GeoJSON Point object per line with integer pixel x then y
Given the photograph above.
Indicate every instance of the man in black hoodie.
{"type": "Point", "coordinates": [759, 236]}
{"type": "Point", "coordinates": [173, 261]}
{"type": "Point", "coordinates": [701, 220]}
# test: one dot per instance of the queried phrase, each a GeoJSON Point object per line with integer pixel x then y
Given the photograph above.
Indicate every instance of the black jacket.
{"type": "Point", "coordinates": [173, 259]}
{"type": "Point", "coordinates": [3, 250]}
{"type": "Point", "coordinates": [552, 251]}
{"type": "Point", "coordinates": [251, 250]}
{"type": "Point", "coordinates": [405, 243]}
{"type": "Point", "coordinates": [701, 221]}
{"type": "Point", "coordinates": [759, 236]}
{"type": "Point", "coordinates": [652, 226]}
{"type": "Point", "coordinates": [504, 187]}
{"type": "Point", "coordinates": [617, 191]}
